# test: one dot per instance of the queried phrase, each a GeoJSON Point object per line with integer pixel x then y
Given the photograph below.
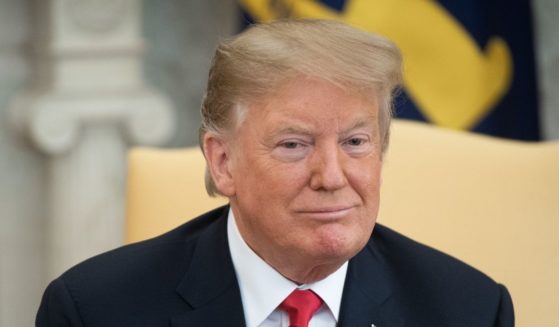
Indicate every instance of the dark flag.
{"type": "Point", "coordinates": [469, 64]}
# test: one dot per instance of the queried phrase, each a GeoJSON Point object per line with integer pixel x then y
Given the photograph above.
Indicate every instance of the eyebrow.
{"type": "Point", "coordinates": [366, 122]}
{"type": "Point", "coordinates": [361, 123]}
{"type": "Point", "coordinates": [292, 130]}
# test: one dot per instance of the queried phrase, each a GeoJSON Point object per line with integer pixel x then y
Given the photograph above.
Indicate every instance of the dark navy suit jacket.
{"type": "Point", "coordinates": [186, 278]}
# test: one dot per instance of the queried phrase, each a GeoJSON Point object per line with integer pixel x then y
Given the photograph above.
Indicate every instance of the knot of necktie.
{"type": "Point", "coordinates": [300, 305]}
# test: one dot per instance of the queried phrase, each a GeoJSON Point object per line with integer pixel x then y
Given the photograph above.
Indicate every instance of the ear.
{"type": "Point", "coordinates": [217, 153]}
{"type": "Point", "coordinates": [381, 175]}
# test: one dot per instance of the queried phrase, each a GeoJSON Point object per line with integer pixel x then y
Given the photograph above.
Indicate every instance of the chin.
{"type": "Point", "coordinates": [340, 247]}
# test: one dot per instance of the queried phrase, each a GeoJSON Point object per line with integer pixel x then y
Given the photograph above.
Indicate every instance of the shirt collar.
{"type": "Point", "coordinates": [263, 288]}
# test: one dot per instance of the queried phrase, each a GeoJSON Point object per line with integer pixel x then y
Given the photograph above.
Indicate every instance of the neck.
{"type": "Point", "coordinates": [299, 268]}
{"type": "Point", "coordinates": [307, 276]}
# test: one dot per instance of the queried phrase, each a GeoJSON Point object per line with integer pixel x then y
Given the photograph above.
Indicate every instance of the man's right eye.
{"type": "Point", "coordinates": [291, 150]}
{"type": "Point", "coordinates": [290, 145]}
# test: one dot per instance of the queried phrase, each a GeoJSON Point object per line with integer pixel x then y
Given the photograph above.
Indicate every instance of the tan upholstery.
{"type": "Point", "coordinates": [492, 203]}
{"type": "Point", "coordinates": [165, 189]}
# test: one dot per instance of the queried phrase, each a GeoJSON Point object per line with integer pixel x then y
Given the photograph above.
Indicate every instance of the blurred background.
{"type": "Point", "coordinates": [81, 81]}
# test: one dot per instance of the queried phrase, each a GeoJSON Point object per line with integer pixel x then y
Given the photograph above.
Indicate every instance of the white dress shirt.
{"type": "Point", "coordinates": [263, 288]}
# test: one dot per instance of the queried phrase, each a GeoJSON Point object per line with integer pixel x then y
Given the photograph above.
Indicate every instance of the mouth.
{"type": "Point", "coordinates": [327, 213]}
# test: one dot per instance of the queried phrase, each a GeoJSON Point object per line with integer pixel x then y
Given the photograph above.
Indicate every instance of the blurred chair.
{"type": "Point", "coordinates": [165, 188]}
{"type": "Point", "coordinates": [490, 202]}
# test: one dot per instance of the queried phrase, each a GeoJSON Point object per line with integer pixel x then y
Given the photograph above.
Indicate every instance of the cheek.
{"type": "Point", "coordinates": [366, 179]}
{"type": "Point", "coordinates": [281, 180]}
{"type": "Point", "coordinates": [268, 186]}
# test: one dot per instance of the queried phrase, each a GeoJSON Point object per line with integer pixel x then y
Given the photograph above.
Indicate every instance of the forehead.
{"type": "Point", "coordinates": [316, 103]}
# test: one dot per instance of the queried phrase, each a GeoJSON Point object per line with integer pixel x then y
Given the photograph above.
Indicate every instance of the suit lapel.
{"type": "Point", "coordinates": [210, 285]}
{"type": "Point", "coordinates": [367, 299]}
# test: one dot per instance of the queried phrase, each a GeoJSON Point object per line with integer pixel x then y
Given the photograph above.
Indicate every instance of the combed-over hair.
{"type": "Point", "coordinates": [259, 60]}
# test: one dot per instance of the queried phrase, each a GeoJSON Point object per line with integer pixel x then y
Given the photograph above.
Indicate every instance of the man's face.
{"type": "Point", "coordinates": [305, 170]}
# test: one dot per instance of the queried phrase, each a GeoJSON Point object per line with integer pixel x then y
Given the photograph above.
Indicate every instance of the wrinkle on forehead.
{"type": "Point", "coordinates": [292, 109]}
{"type": "Point", "coordinates": [335, 125]}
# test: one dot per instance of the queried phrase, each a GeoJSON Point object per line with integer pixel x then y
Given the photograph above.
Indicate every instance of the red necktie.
{"type": "Point", "coordinates": [300, 306]}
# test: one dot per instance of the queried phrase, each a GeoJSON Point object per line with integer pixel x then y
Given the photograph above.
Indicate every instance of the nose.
{"type": "Point", "coordinates": [327, 170]}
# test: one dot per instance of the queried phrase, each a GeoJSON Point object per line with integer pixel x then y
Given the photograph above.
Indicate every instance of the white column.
{"type": "Point", "coordinates": [547, 57]}
{"type": "Point", "coordinates": [87, 102]}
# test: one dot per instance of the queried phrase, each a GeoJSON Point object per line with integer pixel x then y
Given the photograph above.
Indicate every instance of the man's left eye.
{"type": "Point", "coordinates": [355, 141]}
{"type": "Point", "coordinates": [357, 145]}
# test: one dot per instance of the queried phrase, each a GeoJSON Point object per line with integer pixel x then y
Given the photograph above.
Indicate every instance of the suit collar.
{"type": "Point", "coordinates": [210, 286]}
{"type": "Point", "coordinates": [367, 298]}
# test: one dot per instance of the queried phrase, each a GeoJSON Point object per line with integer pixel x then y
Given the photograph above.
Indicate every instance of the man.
{"type": "Point", "coordinates": [295, 123]}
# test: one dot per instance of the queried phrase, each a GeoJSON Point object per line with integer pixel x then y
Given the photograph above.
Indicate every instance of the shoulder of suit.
{"type": "Point", "coordinates": [402, 253]}
{"type": "Point", "coordinates": [432, 286]}
{"type": "Point", "coordinates": [170, 251]}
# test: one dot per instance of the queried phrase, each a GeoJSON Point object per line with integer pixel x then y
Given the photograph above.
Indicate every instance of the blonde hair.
{"type": "Point", "coordinates": [256, 62]}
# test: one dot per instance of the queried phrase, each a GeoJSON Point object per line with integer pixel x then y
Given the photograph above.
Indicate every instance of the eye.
{"type": "Point", "coordinates": [357, 144]}
{"type": "Point", "coordinates": [290, 145]}
{"type": "Point", "coordinates": [355, 141]}
{"type": "Point", "coordinates": [291, 150]}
